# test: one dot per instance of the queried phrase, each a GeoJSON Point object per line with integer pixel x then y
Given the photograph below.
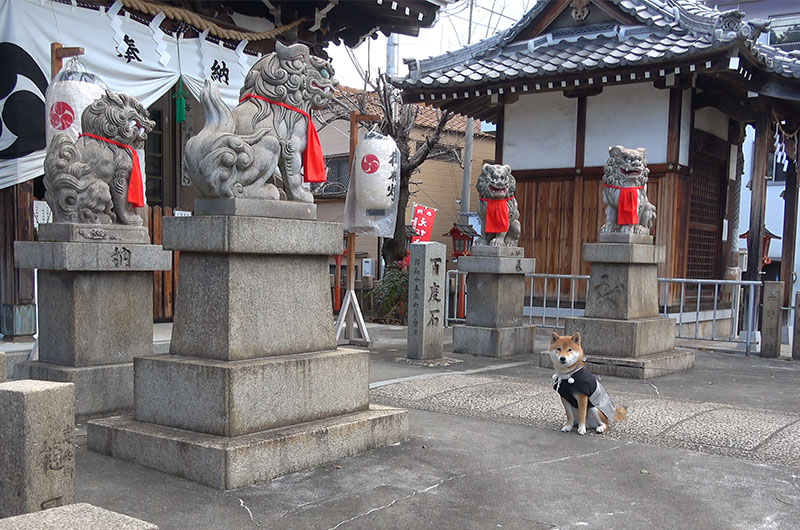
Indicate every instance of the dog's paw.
{"type": "Point", "coordinates": [581, 429]}
{"type": "Point", "coordinates": [601, 429]}
{"type": "Point", "coordinates": [567, 427]}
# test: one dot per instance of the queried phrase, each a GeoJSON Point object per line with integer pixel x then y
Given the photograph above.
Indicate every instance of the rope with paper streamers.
{"type": "Point", "coordinates": [182, 15]}
{"type": "Point", "coordinates": [782, 137]}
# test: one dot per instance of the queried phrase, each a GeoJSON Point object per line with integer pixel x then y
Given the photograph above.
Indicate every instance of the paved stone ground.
{"type": "Point", "coordinates": [716, 447]}
{"type": "Point", "coordinates": [713, 428]}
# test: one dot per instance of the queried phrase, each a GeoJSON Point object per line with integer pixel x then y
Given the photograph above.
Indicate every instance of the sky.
{"type": "Point", "coordinates": [450, 32]}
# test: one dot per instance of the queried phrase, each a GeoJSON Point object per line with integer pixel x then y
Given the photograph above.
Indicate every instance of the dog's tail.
{"type": "Point", "coordinates": [620, 414]}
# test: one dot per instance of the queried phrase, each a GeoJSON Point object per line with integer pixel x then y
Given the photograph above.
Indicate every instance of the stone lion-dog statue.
{"type": "Point", "coordinates": [97, 178]}
{"type": "Point", "coordinates": [625, 192]}
{"type": "Point", "coordinates": [497, 209]}
{"type": "Point", "coordinates": [269, 135]}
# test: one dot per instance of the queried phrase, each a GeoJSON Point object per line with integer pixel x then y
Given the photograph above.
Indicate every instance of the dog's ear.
{"type": "Point", "coordinates": [576, 338]}
{"type": "Point", "coordinates": [554, 337]}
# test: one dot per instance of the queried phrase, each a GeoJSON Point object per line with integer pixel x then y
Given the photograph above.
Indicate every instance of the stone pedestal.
{"type": "Point", "coordinates": [2, 367]}
{"type": "Point", "coordinates": [496, 295]}
{"type": "Point", "coordinates": [95, 308]}
{"type": "Point", "coordinates": [771, 319]}
{"type": "Point", "coordinates": [254, 386]}
{"type": "Point", "coordinates": [621, 331]}
{"type": "Point", "coordinates": [426, 292]}
{"type": "Point", "coordinates": [37, 449]}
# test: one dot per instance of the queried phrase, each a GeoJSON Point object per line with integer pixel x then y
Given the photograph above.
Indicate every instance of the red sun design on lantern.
{"type": "Point", "coordinates": [61, 115]}
{"type": "Point", "coordinates": [370, 163]}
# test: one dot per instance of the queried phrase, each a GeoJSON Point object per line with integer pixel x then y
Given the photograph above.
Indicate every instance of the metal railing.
{"type": "Point", "coordinates": [735, 289]}
{"type": "Point", "coordinates": [694, 315]}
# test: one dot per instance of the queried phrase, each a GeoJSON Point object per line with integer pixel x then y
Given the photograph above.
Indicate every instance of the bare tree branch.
{"type": "Point", "coordinates": [430, 141]}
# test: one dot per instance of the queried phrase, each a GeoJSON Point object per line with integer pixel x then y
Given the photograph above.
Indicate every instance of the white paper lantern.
{"type": "Point", "coordinates": [68, 95]}
{"type": "Point", "coordinates": [375, 171]}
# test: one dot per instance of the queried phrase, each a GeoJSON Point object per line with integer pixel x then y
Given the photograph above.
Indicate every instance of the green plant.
{"type": "Point", "coordinates": [391, 296]}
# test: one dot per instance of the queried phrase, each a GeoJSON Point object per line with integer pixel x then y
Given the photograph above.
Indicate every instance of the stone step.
{"type": "Point", "coordinates": [645, 367]}
{"type": "Point", "coordinates": [101, 389]}
{"type": "Point", "coordinates": [228, 463]}
{"type": "Point", "coordinates": [233, 398]}
{"type": "Point", "coordinates": [494, 342]}
{"type": "Point", "coordinates": [623, 338]}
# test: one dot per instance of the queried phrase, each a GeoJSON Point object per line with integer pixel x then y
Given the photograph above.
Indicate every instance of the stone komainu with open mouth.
{"type": "Point", "coordinates": [625, 178]}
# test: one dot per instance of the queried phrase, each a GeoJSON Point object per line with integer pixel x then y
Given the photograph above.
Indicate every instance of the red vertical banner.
{"type": "Point", "coordinates": [422, 222]}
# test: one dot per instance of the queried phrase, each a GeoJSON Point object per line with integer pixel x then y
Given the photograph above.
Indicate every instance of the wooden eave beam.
{"type": "Point", "coordinates": [737, 108]}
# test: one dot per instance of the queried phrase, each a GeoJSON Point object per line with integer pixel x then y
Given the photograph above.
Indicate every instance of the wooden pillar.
{"type": "Point", "coordinates": [789, 233]}
{"type": "Point", "coordinates": [672, 221]}
{"type": "Point", "coordinates": [755, 241]}
{"type": "Point", "coordinates": [577, 221]}
{"type": "Point", "coordinates": [17, 302]}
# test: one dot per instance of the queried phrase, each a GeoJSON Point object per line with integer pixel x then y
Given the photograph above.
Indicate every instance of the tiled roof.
{"type": "Point", "coordinates": [667, 31]}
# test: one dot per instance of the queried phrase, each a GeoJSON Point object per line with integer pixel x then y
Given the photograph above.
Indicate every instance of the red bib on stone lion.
{"type": "Point", "coordinates": [496, 215]}
{"type": "Point", "coordinates": [628, 207]}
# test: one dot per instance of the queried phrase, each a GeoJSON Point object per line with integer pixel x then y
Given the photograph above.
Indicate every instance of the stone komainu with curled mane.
{"type": "Point", "coordinates": [238, 152]}
{"type": "Point", "coordinates": [497, 209]}
{"type": "Point", "coordinates": [89, 180]}
{"type": "Point", "coordinates": [625, 192]}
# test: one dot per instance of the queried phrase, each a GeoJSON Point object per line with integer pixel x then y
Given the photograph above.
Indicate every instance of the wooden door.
{"type": "Point", "coordinates": [707, 206]}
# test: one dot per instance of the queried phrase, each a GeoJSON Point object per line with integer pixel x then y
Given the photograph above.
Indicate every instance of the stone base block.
{"type": "Point", "coordinates": [496, 264]}
{"type": "Point", "coordinates": [647, 367]}
{"type": "Point", "coordinates": [624, 237]}
{"type": "Point", "coordinates": [256, 208]}
{"type": "Point", "coordinates": [110, 233]}
{"type": "Point", "coordinates": [90, 318]}
{"type": "Point", "coordinates": [37, 447]}
{"type": "Point", "coordinates": [623, 253]}
{"type": "Point", "coordinates": [252, 235]}
{"type": "Point", "coordinates": [15, 365]}
{"type": "Point", "coordinates": [229, 463]}
{"type": "Point", "coordinates": [90, 256]}
{"type": "Point", "coordinates": [232, 398]}
{"type": "Point", "coordinates": [494, 342]}
{"type": "Point", "coordinates": [623, 338]}
{"type": "Point", "coordinates": [73, 517]}
{"type": "Point", "coordinates": [622, 291]}
{"type": "Point", "coordinates": [495, 300]}
{"type": "Point", "coordinates": [234, 307]}
{"type": "Point", "coordinates": [2, 367]}
{"type": "Point", "coordinates": [503, 252]}
{"type": "Point", "coordinates": [99, 390]}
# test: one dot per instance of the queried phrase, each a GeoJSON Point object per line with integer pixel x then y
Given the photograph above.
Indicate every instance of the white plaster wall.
{"type": "Point", "coordinates": [629, 115]}
{"type": "Point", "coordinates": [712, 121]}
{"type": "Point", "coordinates": [686, 127]}
{"type": "Point", "coordinates": [539, 131]}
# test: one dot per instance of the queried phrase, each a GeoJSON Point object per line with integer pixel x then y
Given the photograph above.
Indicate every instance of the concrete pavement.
{"type": "Point", "coordinates": [716, 447]}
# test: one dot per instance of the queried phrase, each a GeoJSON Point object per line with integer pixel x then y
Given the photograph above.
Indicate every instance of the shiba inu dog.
{"type": "Point", "coordinates": [585, 400]}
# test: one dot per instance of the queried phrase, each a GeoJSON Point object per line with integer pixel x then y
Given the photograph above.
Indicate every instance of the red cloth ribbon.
{"type": "Point", "coordinates": [135, 191]}
{"type": "Point", "coordinates": [628, 204]}
{"type": "Point", "coordinates": [313, 161]}
{"type": "Point", "coordinates": [496, 215]}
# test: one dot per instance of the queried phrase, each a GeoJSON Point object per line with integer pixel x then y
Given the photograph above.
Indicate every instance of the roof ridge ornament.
{"type": "Point", "coordinates": [580, 10]}
{"type": "Point", "coordinates": [730, 20]}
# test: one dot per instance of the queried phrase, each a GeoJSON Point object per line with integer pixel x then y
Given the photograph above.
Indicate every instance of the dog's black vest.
{"type": "Point", "coordinates": [584, 383]}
